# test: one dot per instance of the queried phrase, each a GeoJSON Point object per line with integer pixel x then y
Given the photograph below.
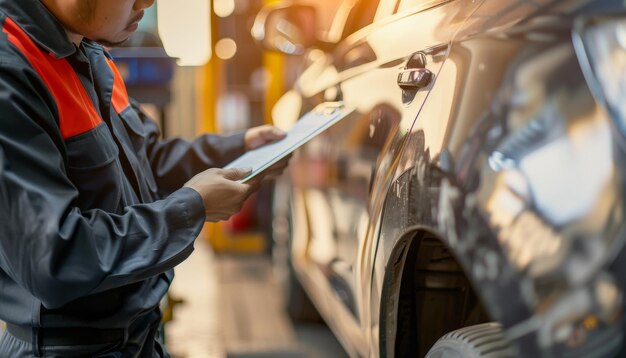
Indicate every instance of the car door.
{"type": "Point", "coordinates": [384, 69]}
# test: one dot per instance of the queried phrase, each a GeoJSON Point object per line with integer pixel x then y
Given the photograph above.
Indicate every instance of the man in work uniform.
{"type": "Point", "coordinates": [95, 209]}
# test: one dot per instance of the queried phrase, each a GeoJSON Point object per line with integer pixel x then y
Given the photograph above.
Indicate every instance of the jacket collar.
{"type": "Point", "coordinates": [35, 19]}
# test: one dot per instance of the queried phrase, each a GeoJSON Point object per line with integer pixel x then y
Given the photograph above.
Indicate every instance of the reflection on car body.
{"type": "Point", "coordinates": [480, 178]}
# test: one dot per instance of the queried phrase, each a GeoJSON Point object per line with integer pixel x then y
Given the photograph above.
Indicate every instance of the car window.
{"type": "Point", "coordinates": [361, 14]}
{"type": "Point", "coordinates": [405, 5]}
{"type": "Point", "coordinates": [326, 12]}
{"type": "Point", "coordinates": [385, 8]}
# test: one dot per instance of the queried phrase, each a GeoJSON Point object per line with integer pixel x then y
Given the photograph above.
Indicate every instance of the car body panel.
{"type": "Point", "coordinates": [337, 171]}
{"type": "Point", "coordinates": [493, 156]}
{"type": "Point", "coordinates": [522, 188]}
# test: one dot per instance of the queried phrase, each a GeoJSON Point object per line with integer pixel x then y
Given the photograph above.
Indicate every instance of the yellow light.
{"type": "Point", "coordinates": [226, 48]}
{"type": "Point", "coordinates": [185, 28]}
{"type": "Point", "coordinates": [590, 323]}
{"type": "Point", "coordinates": [223, 8]}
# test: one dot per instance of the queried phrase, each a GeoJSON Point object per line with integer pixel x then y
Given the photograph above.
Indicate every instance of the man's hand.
{"type": "Point", "coordinates": [222, 195]}
{"type": "Point", "coordinates": [259, 136]}
{"type": "Point", "coordinates": [277, 168]}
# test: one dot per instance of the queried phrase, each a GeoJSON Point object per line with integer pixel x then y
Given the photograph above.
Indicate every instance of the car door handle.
{"type": "Point", "coordinates": [414, 78]}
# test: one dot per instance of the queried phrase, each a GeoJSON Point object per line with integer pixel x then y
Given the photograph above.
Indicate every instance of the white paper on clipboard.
{"type": "Point", "coordinates": [305, 129]}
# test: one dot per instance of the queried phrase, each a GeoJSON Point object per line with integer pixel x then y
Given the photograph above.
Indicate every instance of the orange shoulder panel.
{"type": "Point", "coordinates": [120, 95]}
{"type": "Point", "coordinates": [77, 113]}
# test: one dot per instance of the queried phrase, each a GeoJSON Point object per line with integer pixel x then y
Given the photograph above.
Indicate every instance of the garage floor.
{"type": "Point", "coordinates": [232, 309]}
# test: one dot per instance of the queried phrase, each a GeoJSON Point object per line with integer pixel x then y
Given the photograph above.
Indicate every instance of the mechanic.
{"type": "Point", "coordinates": [95, 209]}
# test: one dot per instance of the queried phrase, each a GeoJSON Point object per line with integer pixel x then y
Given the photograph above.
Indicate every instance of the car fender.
{"type": "Point", "coordinates": [539, 268]}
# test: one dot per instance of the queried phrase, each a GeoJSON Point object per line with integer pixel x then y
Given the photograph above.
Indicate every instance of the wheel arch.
{"type": "Point", "coordinates": [424, 201]}
{"type": "Point", "coordinates": [399, 279]}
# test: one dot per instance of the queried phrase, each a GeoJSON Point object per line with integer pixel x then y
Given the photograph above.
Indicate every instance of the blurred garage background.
{"type": "Point", "coordinates": [196, 68]}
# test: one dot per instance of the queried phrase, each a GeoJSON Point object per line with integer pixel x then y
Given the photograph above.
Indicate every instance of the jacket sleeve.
{"type": "Point", "coordinates": [50, 247]}
{"type": "Point", "coordinates": [174, 161]}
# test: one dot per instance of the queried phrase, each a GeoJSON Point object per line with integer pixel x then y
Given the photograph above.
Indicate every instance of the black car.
{"type": "Point", "coordinates": [472, 203]}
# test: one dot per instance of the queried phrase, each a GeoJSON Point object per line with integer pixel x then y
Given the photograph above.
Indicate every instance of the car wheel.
{"type": "Point", "coordinates": [297, 302]}
{"type": "Point", "coordinates": [480, 341]}
{"type": "Point", "coordinates": [435, 297]}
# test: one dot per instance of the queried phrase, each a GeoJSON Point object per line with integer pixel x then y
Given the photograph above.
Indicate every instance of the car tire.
{"type": "Point", "coordinates": [297, 302]}
{"type": "Point", "coordinates": [435, 297]}
{"type": "Point", "coordinates": [480, 341]}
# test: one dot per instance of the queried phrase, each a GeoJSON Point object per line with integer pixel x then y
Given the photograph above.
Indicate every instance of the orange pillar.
{"type": "Point", "coordinates": [274, 64]}
{"type": "Point", "coordinates": [209, 84]}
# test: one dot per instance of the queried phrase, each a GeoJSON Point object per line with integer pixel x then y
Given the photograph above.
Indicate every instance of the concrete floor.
{"type": "Point", "coordinates": [233, 309]}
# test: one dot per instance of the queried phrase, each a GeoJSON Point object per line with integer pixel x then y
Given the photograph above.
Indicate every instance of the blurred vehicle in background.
{"type": "Point", "coordinates": [146, 68]}
{"type": "Point", "coordinates": [148, 74]}
{"type": "Point", "coordinates": [476, 189]}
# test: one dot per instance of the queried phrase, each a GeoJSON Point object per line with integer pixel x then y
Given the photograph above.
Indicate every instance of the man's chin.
{"type": "Point", "coordinates": [110, 43]}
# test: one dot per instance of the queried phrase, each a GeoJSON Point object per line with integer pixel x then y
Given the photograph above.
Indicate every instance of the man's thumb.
{"type": "Point", "coordinates": [277, 133]}
{"type": "Point", "coordinates": [237, 173]}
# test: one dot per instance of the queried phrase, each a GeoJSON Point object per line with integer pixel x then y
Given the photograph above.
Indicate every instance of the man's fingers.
{"type": "Point", "coordinates": [273, 174]}
{"type": "Point", "coordinates": [255, 182]}
{"type": "Point", "coordinates": [273, 134]}
{"type": "Point", "coordinates": [279, 166]}
{"type": "Point", "coordinates": [236, 173]}
{"type": "Point", "coordinates": [258, 136]}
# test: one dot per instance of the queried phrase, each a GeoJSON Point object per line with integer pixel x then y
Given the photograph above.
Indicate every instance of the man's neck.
{"type": "Point", "coordinates": [75, 38]}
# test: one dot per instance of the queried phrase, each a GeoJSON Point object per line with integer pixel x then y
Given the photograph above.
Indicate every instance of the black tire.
{"type": "Point", "coordinates": [297, 302]}
{"type": "Point", "coordinates": [480, 341]}
{"type": "Point", "coordinates": [435, 297]}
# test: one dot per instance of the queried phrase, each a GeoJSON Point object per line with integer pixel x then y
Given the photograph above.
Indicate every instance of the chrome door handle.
{"type": "Point", "coordinates": [414, 78]}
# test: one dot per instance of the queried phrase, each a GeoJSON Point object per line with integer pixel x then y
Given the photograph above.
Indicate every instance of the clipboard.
{"type": "Point", "coordinates": [306, 128]}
